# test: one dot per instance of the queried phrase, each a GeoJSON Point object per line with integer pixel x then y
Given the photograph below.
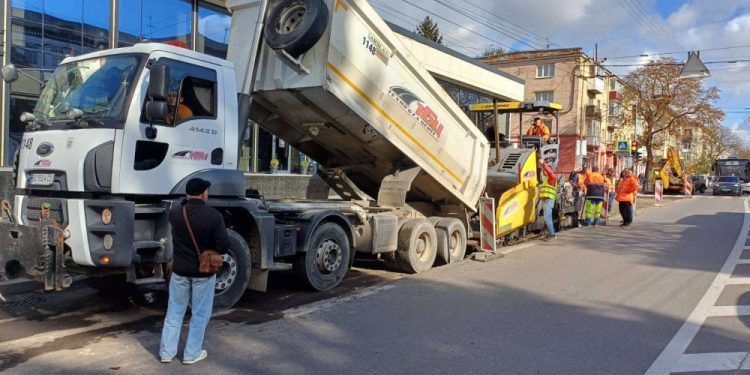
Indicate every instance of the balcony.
{"type": "Point", "coordinates": [615, 96]}
{"type": "Point", "coordinates": [593, 141]}
{"type": "Point", "coordinates": [593, 112]}
{"type": "Point", "coordinates": [596, 85]}
{"type": "Point", "coordinates": [613, 122]}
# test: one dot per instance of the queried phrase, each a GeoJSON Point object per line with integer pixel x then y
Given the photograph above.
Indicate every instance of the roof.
{"type": "Point", "coordinates": [476, 62]}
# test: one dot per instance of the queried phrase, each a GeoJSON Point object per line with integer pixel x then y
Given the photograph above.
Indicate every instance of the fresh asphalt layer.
{"type": "Point", "coordinates": [599, 300]}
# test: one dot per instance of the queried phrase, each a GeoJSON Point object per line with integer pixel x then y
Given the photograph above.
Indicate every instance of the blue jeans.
{"type": "Point", "coordinates": [548, 205]}
{"type": "Point", "coordinates": [199, 290]}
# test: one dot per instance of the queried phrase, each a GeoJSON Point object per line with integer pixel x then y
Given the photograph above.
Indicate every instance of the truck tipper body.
{"type": "Point", "coordinates": [106, 154]}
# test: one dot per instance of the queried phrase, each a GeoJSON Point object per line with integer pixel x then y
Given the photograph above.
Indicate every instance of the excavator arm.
{"type": "Point", "coordinates": [671, 172]}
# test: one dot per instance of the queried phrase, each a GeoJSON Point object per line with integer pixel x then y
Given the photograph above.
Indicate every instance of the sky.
{"type": "Point", "coordinates": [622, 30]}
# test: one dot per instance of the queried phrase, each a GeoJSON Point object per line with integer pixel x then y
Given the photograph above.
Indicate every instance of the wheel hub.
{"type": "Point", "coordinates": [423, 242]}
{"type": "Point", "coordinates": [291, 17]}
{"type": "Point", "coordinates": [328, 255]}
{"type": "Point", "coordinates": [228, 273]}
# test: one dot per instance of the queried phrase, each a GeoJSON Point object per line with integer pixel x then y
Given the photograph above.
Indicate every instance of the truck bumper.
{"type": "Point", "coordinates": [35, 252]}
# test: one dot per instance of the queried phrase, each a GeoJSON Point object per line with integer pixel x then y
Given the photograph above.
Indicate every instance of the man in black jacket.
{"type": "Point", "coordinates": [188, 285]}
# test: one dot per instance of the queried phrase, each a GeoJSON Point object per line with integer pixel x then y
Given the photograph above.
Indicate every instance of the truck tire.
{"type": "Point", "coordinates": [451, 236]}
{"type": "Point", "coordinates": [417, 245]}
{"type": "Point", "coordinates": [232, 279]}
{"type": "Point", "coordinates": [296, 25]}
{"type": "Point", "coordinates": [325, 263]}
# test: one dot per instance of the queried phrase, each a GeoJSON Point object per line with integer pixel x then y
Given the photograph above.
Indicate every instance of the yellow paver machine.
{"type": "Point", "coordinates": [513, 175]}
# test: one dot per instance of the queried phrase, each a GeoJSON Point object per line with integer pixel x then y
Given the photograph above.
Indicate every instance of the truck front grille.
{"type": "Point", "coordinates": [57, 210]}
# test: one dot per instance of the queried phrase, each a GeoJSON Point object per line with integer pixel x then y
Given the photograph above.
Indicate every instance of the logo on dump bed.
{"type": "Point", "coordinates": [190, 155]}
{"type": "Point", "coordinates": [44, 163]}
{"type": "Point", "coordinates": [418, 110]}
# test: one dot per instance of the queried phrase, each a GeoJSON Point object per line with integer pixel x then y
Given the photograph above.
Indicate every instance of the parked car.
{"type": "Point", "coordinates": [746, 187]}
{"type": "Point", "coordinates": [699, 183]}
{"type": "Point", "coordinates": [710, 181]}
{"type": "Point", "coordinates": [728, 185]}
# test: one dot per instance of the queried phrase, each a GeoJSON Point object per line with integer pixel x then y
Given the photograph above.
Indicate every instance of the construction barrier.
{"type": "Point", "coordinates": [688, 190]}
{"type": "Point", "coordinates": [658, 193]}
{"type": "Point", "coordinates": [487, 224]}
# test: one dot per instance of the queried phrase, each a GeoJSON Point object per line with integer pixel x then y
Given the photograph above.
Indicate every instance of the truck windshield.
{"type": "Point", "coordinates": [99, 87]}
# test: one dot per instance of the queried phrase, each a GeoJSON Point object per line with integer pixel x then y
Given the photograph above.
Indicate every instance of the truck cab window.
{"type": "Point", "coordinates": [192, 92]}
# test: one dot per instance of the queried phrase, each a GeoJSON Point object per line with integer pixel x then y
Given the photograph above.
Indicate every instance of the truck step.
{"type": "Point", "coordinates": [149, 280]}
{"type": "Point", "coordinates": [147, 245]}
{"type": "Point", "coordinates": [149, 210]}
{"type": "Point", "coordinates": [280, 267]}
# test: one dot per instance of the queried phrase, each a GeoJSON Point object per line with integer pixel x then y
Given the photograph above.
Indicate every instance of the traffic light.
{"type": "Point", "coordinates": [634, 148]}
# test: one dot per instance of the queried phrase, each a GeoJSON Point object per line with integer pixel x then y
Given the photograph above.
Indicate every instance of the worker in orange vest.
{"type": "Point", "coordinates": [626, 191]}
{"type": "Point", "coordinates": [539, 129]}
{"type": "Point", "coordinates": [595, 189]}
{"type": "Point", "coordinates": [609, 177]}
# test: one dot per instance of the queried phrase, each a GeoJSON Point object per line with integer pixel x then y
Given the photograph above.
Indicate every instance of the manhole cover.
{"type": "Point", "coordinates": [27, 300]}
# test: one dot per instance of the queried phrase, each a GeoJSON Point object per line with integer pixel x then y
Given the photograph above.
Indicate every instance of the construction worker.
{"type": "Point", "coordinates": [548, 194]}
{"type": "Point", "coordinates": [595, 189]}
{"type": "Point", "coordinates": [626, 191]}
{"type": "Point", "coordinates": [539, 129]}
{"type": "Point", "coordinates": [609, 178]}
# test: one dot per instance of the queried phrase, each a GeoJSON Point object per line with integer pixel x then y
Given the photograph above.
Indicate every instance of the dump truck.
{"type": "Point", "coordinates": [108, 151]}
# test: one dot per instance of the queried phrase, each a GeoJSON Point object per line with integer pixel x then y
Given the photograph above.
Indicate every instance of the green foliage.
{"type": "Point", "coordinates": [430, 30]}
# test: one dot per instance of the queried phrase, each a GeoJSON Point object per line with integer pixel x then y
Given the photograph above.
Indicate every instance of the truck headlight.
{"type": "Point", "coordinates": [108, 241]}
{"type": "Point", "coordinates": [106, 216]}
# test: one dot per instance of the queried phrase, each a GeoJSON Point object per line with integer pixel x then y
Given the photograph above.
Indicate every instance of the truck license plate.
{"type": "Point", "coordinates": [42, 179]}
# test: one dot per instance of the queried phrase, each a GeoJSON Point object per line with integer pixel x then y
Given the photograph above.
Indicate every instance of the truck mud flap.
{"type": "Point", "coordinates": [35, 252]}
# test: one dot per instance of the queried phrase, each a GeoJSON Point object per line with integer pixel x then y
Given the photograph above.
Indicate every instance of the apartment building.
{"type": "Point", "coordinates": [590, 123]}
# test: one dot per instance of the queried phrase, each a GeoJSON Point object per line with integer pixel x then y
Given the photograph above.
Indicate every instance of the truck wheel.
{"type": "Point", "coordinates": [232, 279]}
{"type": "Point", "coordinates": [417, 245]}
{"type": "Point", "coordinates": [326, 261]}
{"type": "Point", "coordinates": [296, 25]}
{"type": "Point", "coordinates": [451, 236]}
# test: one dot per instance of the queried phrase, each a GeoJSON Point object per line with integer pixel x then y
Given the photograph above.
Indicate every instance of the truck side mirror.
{"type": "Point", "coordinates": [158, 85]}
{"type": "Point", "coordinates": [10, 73]}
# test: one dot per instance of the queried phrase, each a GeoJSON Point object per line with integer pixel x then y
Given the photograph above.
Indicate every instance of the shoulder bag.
{"type": "Point", "coordinates": [209, 261]}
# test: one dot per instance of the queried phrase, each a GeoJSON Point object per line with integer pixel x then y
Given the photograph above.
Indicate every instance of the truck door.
{"type": "Point", "coordinates": [191, 140]}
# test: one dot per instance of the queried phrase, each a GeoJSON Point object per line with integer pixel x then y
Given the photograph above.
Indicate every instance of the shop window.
{"type": "Point", "coordinates": [213, 30]}
{"type": "Point", "coordinates": [155, 21]}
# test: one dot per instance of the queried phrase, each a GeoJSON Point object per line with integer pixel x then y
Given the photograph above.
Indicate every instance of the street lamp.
{"type": "Point", "coordinates": [694, 67]}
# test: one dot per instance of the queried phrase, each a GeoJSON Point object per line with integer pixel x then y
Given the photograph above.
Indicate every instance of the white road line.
{"type": "Point", "coordinates": [729, 310]}
{"type": "Point", "coordinates": [680, 342]}
{"type": "Point", "coordinates": [710, 362]}
{"type": "Point", "coordinates": [297, 312]}
{"type": "Point", "coordinates": [738, 280]}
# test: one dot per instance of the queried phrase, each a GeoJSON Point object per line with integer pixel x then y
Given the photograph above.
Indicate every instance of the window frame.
{"type": "Point", "coordinates": [549, 67]}
{"type": "Point", "coordinates": [208, 74]}
{"type": "Point", "coordinates": [550, 92]}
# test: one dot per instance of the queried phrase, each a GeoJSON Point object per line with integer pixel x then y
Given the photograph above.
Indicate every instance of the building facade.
{"type": "Point", "coordinates": [590, 122]}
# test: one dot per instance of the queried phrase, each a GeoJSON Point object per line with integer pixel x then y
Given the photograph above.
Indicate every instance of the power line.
{"type": "Point", "coordinates": [540, 37]}
{"type": "Point", "coordinates": [492, 24]}
{"type": "Point", "coordinates": [645, 13]}
{"type": "Point", "coordinates": [627, 6]}
{"type": "Point", "coordinates": [462, 27]}
{"type": "Point", "coordinates": [679, 52]}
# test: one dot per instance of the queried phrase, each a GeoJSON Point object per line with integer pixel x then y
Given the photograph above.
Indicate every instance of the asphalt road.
{"type": "Point", "coordinates": [662, 295]}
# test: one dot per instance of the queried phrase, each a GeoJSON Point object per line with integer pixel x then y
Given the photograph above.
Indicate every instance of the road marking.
{"type": "Point", "coordinates": [738, 280]}
{"type": "Point", "coordinates": [297, 312]}
{"type": "Point", "coordinates": [711, 362]}
{"type": "Point", "coordinates": [743, 261]}
{"type": "Point", "coordinates": [729, 310]}
{"type": "Point", "coordinates": [675, 350]}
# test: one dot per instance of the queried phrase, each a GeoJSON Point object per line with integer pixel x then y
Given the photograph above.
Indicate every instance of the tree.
{"type": "Point", "coordinates": [669, 105]}
{"type": "Point", "coordinates": [493, 50]}
{"type": "Point", "coordinates": [430, 30]}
